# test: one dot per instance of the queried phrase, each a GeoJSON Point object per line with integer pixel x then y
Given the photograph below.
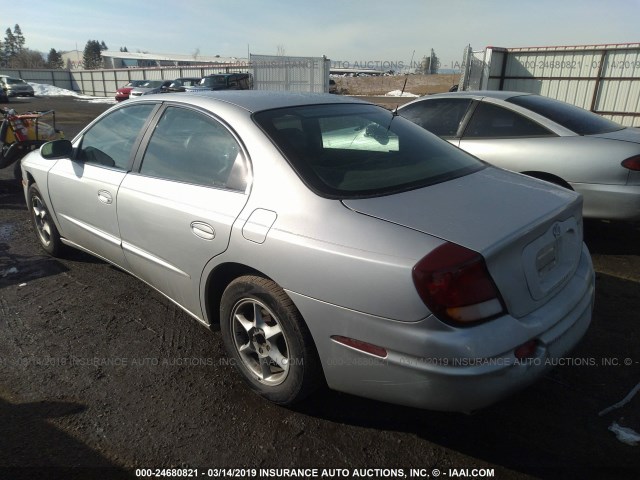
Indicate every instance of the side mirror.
{"type": "Point", "coordinates": [56, 149]}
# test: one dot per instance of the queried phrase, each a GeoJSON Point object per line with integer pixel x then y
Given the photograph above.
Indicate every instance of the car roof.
{"type": "Point", "coordinates": [224, 74]}
{"type": "Point", "coordinates": [499, 94]}
{"type": "Point", "coordinates": [258, 100]}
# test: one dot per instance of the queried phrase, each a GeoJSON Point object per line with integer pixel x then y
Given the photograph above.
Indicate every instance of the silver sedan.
{"type": "Point", "coordinates": [329, 239]}
{"type": "Point", "coordinates": [543, 138]}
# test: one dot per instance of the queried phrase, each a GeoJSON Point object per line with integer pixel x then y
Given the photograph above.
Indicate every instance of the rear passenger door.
{"type": "Point", "coordinates": [177, 208]}
{"type": "Point", "coordinates": [508, 139]}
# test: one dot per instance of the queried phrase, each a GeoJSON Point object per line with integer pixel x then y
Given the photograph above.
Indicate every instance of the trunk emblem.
{"type": "Point", "coordinates": [557, 230]}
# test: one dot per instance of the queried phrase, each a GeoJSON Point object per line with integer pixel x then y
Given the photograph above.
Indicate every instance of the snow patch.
{"type": "Point", "coordinates": [400, 93]}
{"type": "Point", "coordinates": [44, 90]}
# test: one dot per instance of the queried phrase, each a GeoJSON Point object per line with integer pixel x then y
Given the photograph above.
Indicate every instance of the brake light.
{"type": "Point", "coordinates": [632, 163]}
{"type": "Point", "coordinates": [455, 284]}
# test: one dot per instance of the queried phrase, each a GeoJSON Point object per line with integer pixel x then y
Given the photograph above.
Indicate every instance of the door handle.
{"type": "Point", "coordinates": [105, 197]}
{"type": "Point", "coordinates": [203, 230]}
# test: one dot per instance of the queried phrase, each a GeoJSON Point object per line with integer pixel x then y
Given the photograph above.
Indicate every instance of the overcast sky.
{"type": "Point", "coordinates": [349, 31]}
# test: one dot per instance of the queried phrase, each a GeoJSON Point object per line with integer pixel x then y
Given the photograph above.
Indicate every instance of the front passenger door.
{"type": "Point", "coordinates": [84, 190]}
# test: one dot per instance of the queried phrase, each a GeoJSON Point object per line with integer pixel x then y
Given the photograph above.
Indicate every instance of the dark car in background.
{"type": "Point", "coordinates": [224, 81]}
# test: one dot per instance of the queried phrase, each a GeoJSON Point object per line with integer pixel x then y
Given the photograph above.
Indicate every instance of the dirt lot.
{"type": "Point", "coordinates": [416, 84]}
{"type": "Point", "coordinates": [101, 375]}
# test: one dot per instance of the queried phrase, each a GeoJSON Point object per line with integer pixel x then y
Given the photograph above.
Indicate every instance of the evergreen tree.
{"type": "Point", "coordinates": [54, 60]}
{"type": "Point", "coordinates": [19, 38]}
{"type": "Point", "coordinates": [92, 58]}
{"type": "Point", "coordinates": [9, 45]}
{"type": "Point", "coordinates": [103, 46]}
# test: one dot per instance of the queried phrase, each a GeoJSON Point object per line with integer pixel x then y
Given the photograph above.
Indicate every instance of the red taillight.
{"type": "Point", "coordinates": [632, 163]}
{"type": "Point", "coordinates": [455, 284]}
{"type": "Point", "coordinates": [360, 345]}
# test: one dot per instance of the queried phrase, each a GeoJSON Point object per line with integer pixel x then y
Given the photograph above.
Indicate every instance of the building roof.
{"type": "Point", "coordinates": [171, 57]}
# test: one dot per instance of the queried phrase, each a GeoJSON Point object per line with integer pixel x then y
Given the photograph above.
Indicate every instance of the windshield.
{"type": "Point", "coordinates": [569, 116]}
{"type": "Point", "coordinates": [15, 81]}
{"type": "Point", "coordinates": [350, 150]}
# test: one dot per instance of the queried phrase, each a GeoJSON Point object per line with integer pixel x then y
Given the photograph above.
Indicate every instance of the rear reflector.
{"type": "Point", "coordinates": [455, 284]}
{"type": "Point", "coordinates": [632, 163]}
{"type": "Point", "coordinates": [360, 345]}
{"type": "Point", "coordinates": [526, 350]}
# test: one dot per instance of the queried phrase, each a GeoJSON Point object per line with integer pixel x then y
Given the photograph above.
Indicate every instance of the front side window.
{"type": "Point", "coordinates": [351, 150]}
{"type": "Point", "coordinates": [110, 140]}
{"type": "Point", "coordinates": [492, 121]}
{"type": "Point", "coordinates": [440, 116]}
{"type": "Point", "coordinates": [188, 146]}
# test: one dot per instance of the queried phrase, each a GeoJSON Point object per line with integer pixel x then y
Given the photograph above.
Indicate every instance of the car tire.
{"type": "Point", "coordinates": [267, 340]}
{"type": "Point", "coordinates": [46, 230]}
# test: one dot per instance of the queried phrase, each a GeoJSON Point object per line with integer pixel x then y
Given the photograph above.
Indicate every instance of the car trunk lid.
{"type": "Point", "coordinates": [529, 232]}
{"type": "Point", "coordinates": [625, 135]}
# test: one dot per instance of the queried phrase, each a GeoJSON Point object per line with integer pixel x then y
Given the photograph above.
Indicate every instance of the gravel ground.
{"type": "Point", "coordinates": [101, 375]}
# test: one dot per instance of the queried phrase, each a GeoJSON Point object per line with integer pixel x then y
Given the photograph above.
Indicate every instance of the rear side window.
{"type": "Point", "coordinates": [569, 116]}
{"type": "Point", "coordinates": [188, 146]}
{"type": "Point", "coordinates": [440, 116]}
{"type": "Point", "coordinates": [492, 121]}
{"type": "Point", "coordinates": [110, 140]}
{"type": "Point", "coordinates": [351, 150]}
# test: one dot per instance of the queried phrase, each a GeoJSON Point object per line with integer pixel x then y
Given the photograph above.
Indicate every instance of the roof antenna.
{"type": "Point", "coordinates": [406, 77]}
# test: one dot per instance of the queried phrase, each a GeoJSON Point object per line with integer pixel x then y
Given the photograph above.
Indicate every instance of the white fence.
{"type": "Point", "coordinates": [291, 74]}
{"type": "Point", "coordinates": [298, 74]}
{"type": "Point", "coordinates": [104, 83]}
{"type": "Point", "coordinates": [602, 78]}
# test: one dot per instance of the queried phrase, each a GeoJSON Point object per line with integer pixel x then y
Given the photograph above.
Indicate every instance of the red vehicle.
{"type": "Point", "coordinates": [123, 92]}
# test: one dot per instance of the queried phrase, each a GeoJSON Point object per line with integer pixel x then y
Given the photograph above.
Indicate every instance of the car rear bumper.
{"type": "Point", "coordinates": [433, 366]}
{"type": "Point", "coordinates": [19, 94]}
{"type": "Point", "coordinates": [610, 202]}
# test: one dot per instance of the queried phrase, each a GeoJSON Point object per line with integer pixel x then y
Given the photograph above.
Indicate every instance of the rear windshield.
{"type": "Point", "coordinates": [153, 84]}
{"type": "Point", "coordinates": [569, 116]}
{"type": "Point", "coordinates": [15, 81]}
{"type": "Point", "coordinates": [350, 150]}
{"type": "Point", "coordinates": [212, 81]}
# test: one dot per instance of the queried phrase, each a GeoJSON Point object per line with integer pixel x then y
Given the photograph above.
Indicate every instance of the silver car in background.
{"type": "Point", "coordinates": [329, 239]}
{"type": "Point", "coordinates": [543, 138]}
{"type": "Point", "coordinates": [15, 87]}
